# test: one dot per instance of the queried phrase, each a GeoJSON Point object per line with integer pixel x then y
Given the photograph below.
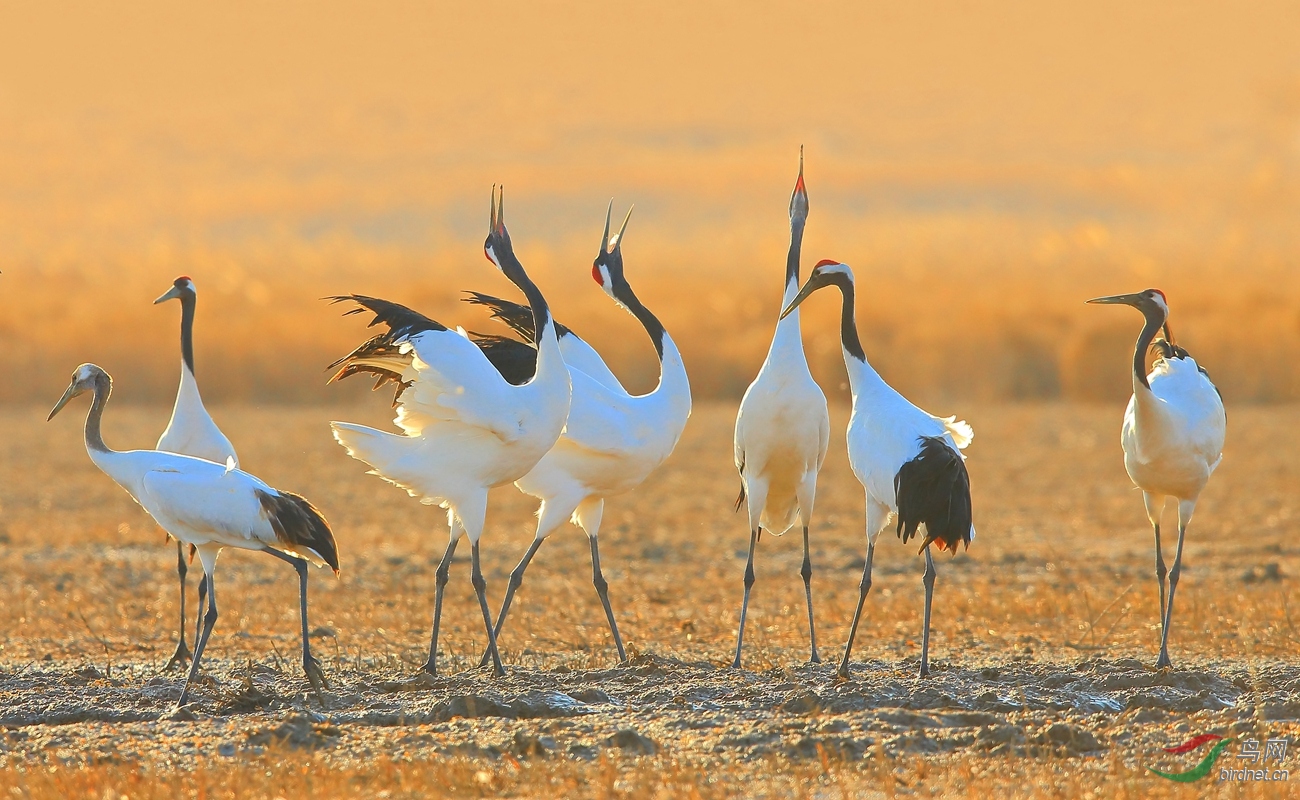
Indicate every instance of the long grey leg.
{"type": "Point", "coordinates": [927, 578]}
{"type": "Point", "coordinates": [863, 588]}
{"type": "Point", "coordinates": [444, 569]}
{"type": "Point", "coordinates": [310, 665]}
{"type": "Point", "coordinates": [480, 586]}
{"type": "Point", "coordinates": [516, 580]}
{"type": "Point", "coordinates": [1163, 660]}
{"type": "Point", "coordinates": [806, 572]}
{"type": "Point", "coordinates": [602, 589]}
{"type": "Point", "coordinates": [744, 604]}
{"type": "Point", "coordinates": [1160, 573]}
{"type": "Point", "coordinates": [182, 653]}
{"type": "Point", "coordinates": [202, 642]}
{"type": "Point", "coordinates": [198, 615]}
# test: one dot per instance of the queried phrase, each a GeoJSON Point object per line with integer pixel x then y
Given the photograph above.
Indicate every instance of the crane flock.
{"type": "Point", "coordinates": [541, 409]}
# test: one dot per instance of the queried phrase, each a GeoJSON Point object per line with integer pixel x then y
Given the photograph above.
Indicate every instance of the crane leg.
{"type": "Point", "coordinates": [182, 653]}
{"type": "Point", "coordinates": [441, 576]}
{"type": "Point", "coordinates": [480, 587]}
{"type": "Point", "coordinates": [927, 578]}
{"type": "Point", "coordinates": [310, 665]}
{"type": "Point", "coordinates": [1161, 572]}
{"type": "Point", "coordinates": [516, 580]}
{"type": "Point", "coordinates": [1184, 516]}
{"type": "Point", "coordinates": [209, 620]}
{"type": "Point", "coordinates": [744, 604]}
{"type": "Point", "coordinates": [806, 572]}
{"type": "Point", "coordinates": [863, 588]}
{"type": "Point", "coordinates": [198, 615]}
{"type": "Point", "coordinates": [602, 589]}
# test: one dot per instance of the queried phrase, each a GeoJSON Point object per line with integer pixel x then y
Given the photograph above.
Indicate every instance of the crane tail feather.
{"type": "Point", "coordinates": [933, 489]}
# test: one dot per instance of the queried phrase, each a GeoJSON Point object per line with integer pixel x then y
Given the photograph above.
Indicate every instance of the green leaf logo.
{"type": "Point", "coordinates": [1200, 770]}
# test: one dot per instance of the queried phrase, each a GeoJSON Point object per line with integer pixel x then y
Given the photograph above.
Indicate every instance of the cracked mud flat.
{"type": "Point", "coordinates": [653, 705]}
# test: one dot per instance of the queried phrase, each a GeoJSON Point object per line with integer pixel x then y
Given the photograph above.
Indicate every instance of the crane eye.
{"type": "Point", "coordinates": [595, 274]}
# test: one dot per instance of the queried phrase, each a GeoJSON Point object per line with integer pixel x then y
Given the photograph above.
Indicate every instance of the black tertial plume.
{"type": "Point", "coordinates": [933, 489]}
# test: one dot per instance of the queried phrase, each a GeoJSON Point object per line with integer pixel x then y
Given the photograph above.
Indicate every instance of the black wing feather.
{"type": "Point", "coordinates": [402, 323]}
{"type": "Point", "coordinates": [518, 316]}
{"type": "Point", "coordinates": [934, 489]}
{"type": "Point", "coordinates": [515, 360]}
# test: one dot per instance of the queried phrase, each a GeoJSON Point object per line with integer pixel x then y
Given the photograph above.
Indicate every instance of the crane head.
{"type": "Point", "coordinates": [799, 197]}
{"type": "Point", "coordinates": [607, 269]}
{"type": "Point", "coordinates": [87, 377]}
{"type": "Point", "coordinates": [182, 288]}
{"type": "Point", "coordinates": [828, 272]}
{"type": "Point", "coordinates": [1151, 302]}
{"type": "Point", "coordinates": [497, 245]}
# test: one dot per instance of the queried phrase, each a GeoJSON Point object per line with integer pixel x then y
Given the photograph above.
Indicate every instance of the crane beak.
{"type": "Point", "coordinates": [604, 237]}
{"type": "Point", "coordinates": [799, 197]}
{"type": "Point", "coordinates": [63, 401]}
{"type": "Point", "coordinates": [811, 286]}
{"type": "Point", "coordinates": [171, 294]}
{"type": "Point", "coordinates": [618, 239]}
{"type": "Point", "coordinates": [1118, 299]}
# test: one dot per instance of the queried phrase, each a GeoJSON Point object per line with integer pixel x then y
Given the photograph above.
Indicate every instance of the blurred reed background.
{"type": "Point", "coordinates": [983, 167]}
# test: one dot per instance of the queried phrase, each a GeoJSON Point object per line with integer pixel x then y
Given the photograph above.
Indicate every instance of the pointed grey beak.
{"type": "Point", "coordinates": [1118, 299]}
{"type": "Point", "coordinates": [618, 239]}
{"type": "Point", "coordinates": [171, 294]}
{"type": "Point", "coordinates": [814, 283]}
{"type": "Point", "coordinates": [63, 401]}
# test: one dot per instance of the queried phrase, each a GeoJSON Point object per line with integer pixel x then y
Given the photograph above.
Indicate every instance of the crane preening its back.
{"type": "Point", "coordinates": [908, 461]}
{"type": "Point", "coordinates": [190, 432]}
{"type": "Point", "coordinates": [211, 506]}
{"type": "Point", "coordinates": [465, 428]}
{"type": "Point", "coordinates": [612, 439]}
{"type": "Point", "coordinates": [782, 432]}
{"type": "Point", "coordinates": [1173, 434]}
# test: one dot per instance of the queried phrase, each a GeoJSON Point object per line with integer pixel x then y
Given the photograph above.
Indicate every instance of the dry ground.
{"type": "Point", "coordinates": [1044, 632]}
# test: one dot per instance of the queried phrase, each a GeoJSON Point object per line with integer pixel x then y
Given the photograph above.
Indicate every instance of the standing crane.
{"type": "Point", "coordinates": [465, 427]}
{"type": "Point", "coordinates": [613, 440]}
{"type": "Point", "coordinates": [782, 431]}
{"type": "Point", "coordinates": [210, 506]}
{"type": "Point", "coordinates": [909, 461]}
{"type": "Point", "coordinates": [1172, 435]}
{"type": "Point", "coordinates": [190, 432]}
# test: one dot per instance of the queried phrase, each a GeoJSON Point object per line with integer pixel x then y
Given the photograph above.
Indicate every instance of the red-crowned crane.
{"type": "Point", "coordinates": [210, 506]}
{"type": "Point", "coordinates": [190, 432]}
{"type": "Point", "coordinates": [465, 428]}
{"type": "Point", "coordinates": [782, 432]}
{"type": "Point", "coordinates": [612, 440]}
{"type": "Point", "coordinates": [1172, 434]}
{"type": "Point", "coordinates": [909, 461]}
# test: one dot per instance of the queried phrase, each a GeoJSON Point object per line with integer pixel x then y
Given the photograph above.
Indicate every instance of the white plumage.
{"type": "Point", "coordinates": [612, 440]}
{"type": "Point", "coordinates": [191, 431]}
{"type": "Point", "coordinates": [465, 428]}
{"type": "Point", "coordinates": [782, 432]}
{"type": "Point", "coordinates": [210, 506]}
{"type": "Point", "coordinates": [1173, 434]}
{"type": "Point", "coordinates": [909, 461]}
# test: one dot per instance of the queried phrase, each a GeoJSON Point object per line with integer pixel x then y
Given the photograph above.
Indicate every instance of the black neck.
{"type": "Point", "coordinates": [94, 437]}
{"type": "Point", "coordinates": [514, 271]}
{"type": "Point", "coordinates": [649, 321]}
{"type": "Point", "coordinates": [792, 257]}
{"type": "Point", "coordinates": [187, 329]}
{"type": "Point", "coordinates": [1154, 320]}
{"type": "Point", "coordinates": [848, 324]}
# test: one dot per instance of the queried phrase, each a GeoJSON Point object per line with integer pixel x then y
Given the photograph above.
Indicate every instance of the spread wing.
{"type": "Point", "coordinates": [442, 376]}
